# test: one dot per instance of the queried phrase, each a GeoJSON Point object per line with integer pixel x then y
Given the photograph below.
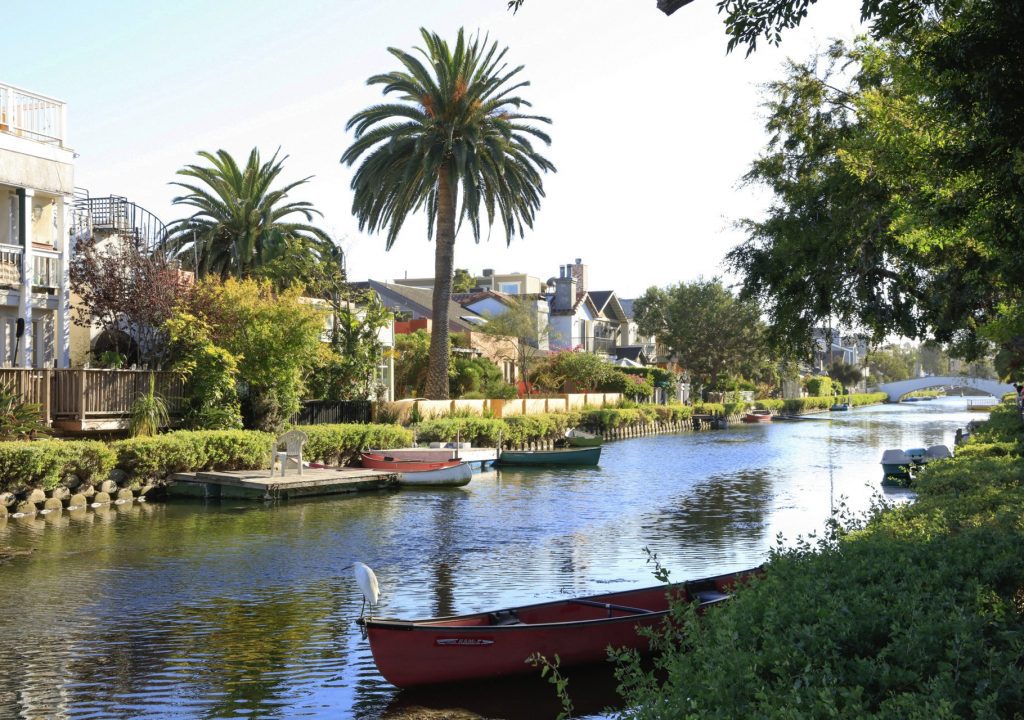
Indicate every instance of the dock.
{"type": "Point", "coordinates": [259, 485]}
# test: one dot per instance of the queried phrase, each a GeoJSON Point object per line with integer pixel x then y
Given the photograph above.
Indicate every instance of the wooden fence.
{"type": "Point", "coordinates": [327, 412]}
{"type": "Point", "coordinates": [82, 395]}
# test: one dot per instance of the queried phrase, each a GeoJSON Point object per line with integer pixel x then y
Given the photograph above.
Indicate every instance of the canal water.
{"type": "Point", "coordinates": [244, 610]}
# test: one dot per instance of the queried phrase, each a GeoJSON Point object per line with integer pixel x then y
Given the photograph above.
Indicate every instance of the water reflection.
{"type": "Point", "coordinates": [244, 610]}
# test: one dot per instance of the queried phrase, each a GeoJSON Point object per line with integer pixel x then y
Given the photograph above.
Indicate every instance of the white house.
{"type": "Point", "coordinates": [36, 192]}
{"type": "Point", "coordinates": [584, 319]}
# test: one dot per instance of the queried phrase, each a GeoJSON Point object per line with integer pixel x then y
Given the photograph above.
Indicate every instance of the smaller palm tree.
{"type": "Point", "coordinates": [240, 222]}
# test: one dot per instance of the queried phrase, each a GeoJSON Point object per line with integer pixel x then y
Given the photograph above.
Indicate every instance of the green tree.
{"type": "Point", "coordinates": [349, 366]}
{"type": "Point", "coordinates": [934, 359]}
{"type": "Point", "coordinates": [275, 337]}
{"type": "Point", "coordinates": [240, 221]}
{"type": "Point", "coordinates": [906, 179]}
{"type": "Point", "coordinates": [462, 281]}
{"type": "Point", "coordinates": [845, 374]}
{"type": "Point", "coordinates": [457, 128]}
{"type": "Point", "coordinates": [412, 362]}
{"type": "Point", "coordinates": [891, 364]}
{"type": "Point", "coordinates": [711, 332]}
{"type": "Point", "coordinates": [211, 375]}
{"type": "Point", "coordinates": [579, 370]}
{"type": "Point", "coordinates": [519, 336]}
{"type": "Point", "coordinates": [747, 21]}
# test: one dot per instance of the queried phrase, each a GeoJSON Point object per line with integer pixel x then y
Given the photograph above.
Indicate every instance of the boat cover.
{"type": "Point", "coordinates": [896, 457]}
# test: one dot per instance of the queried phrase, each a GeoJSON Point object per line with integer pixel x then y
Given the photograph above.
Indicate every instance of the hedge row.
{"type": "Point", "coordinates": [46, 463]}
{"type": "Point", "coordinates": [823, 402]}
{"type": "Point", "coordinates": [916, 612]}
{"type": "Point", "coordinates": [191, 450]}
{"type": "Point", "coordinates": [335, 444]}
{"type": "Point", "coordinates": [484, 432]}
{"type": "Point", "coordinates": [532, 428]}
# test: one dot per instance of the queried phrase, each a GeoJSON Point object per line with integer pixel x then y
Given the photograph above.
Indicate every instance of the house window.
{"type": "Point", "coordinates": [511, 288]}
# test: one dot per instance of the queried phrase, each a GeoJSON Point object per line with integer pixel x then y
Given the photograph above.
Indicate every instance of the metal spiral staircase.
{"type": "Point", "coordinates": [103, 217]}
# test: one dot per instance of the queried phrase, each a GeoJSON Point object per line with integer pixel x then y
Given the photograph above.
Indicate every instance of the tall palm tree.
{"type": "Point", "coordinates": [457, 126]}
{"type": "Point", "coordinates": [240, 223]}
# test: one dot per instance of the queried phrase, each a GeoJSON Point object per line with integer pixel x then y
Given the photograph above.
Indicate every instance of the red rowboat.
{"type": "Point", "coordinates": [376, 461]}
{"type": "Point", "coordinates": [496, 644]}
{"type": "Point", "coordinates": [755, 416]}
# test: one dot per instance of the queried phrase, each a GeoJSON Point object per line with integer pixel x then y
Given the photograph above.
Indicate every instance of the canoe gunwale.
{"type": "Point", "coordinates": [684, 589]}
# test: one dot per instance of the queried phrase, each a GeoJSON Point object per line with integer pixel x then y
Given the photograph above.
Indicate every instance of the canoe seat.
{"type": "Point", "coordinates": [710, 596]}
{"type": "Point", "coordinates": [504, 617]}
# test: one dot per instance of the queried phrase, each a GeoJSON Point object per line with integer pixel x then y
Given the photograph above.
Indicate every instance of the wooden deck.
{"type": "Point", "coordinates": [259, 485]}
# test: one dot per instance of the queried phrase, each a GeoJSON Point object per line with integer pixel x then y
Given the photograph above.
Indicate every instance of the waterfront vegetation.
{"type": "Point", "coordinates": [45, 464]}
{"type": "Point", "coordinates": [916, 611]}
{"type": "Point", "coordinates": [819, 402]}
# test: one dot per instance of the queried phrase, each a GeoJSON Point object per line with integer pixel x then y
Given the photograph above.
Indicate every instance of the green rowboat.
{"type": "Point", "coordinates": [568, 456]}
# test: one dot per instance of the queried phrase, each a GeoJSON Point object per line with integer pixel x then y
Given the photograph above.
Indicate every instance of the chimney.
{"type": "Point", "coordinates": [565, 292]}
{"type": "Point", "coordinates": [579, 272]}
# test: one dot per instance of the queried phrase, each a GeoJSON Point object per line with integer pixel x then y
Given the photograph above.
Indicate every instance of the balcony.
{"type": "Point", "coordinates": [599, 345]}
{"type": "Point", "coordinates": [46, 270]}
{"type": "Point", "coordinates": [32, 116]}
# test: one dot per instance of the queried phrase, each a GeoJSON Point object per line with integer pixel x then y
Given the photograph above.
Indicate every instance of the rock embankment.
{"type": "Point", "coordinates": [74, 493]}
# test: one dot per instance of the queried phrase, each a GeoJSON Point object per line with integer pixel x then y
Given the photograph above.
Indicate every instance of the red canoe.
{"type": "Point", "coordinates": [496, 644]}
{"type": "Point", "coordinates": [376, 461]}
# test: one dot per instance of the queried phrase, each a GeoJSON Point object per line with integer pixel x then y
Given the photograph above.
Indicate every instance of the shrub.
{"type": "Point", "coordinates": [149, 412]}
{"type": "Point", "coordinates": [19, 420]}
{"type": "Point", "coordinates": [514, 430]}
{"type": "Point", "coordinates": [915, 612]}
{"type": "Point", "coordinates": [773, 405]}
{"type": "Point", "coordinates": [819, 385]}
{"type": "Point", "coordinates": [192, 450]}
{"type": "Point", "coordinates": [336, 444]}
{"type": "Point", "coordinates": [734, 408]}
{"type": "Point", "coordinates": [859, 399]}
{"type": "Point", "coordinates": [45, 463]}
{"type": "Point", "coordinates": [708, 408]}
{"type": "Point", "coordinates": [479, 431]}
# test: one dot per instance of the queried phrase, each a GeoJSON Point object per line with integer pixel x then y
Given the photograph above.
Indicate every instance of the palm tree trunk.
{"type": "Point", "coordinates": [444, 264]}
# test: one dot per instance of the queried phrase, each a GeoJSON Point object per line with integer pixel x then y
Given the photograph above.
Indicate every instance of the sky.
{"type": "Point", "coordinates": [654, 124]}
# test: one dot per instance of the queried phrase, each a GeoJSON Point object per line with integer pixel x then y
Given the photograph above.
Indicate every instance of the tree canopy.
{"type": "Point", "coordinates": [899, 201]}
{"type": "Point", "coordinates": [271, 338]}
{"type": "Point", "coordinates": [241, 222]}
{"type": "Point", "coordinates": [711, 332]}
{"type": "Point", "coordinates": [129, 293]}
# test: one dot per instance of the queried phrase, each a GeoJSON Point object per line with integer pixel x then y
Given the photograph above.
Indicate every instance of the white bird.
{"type": "Point", "coordinates": [367, 583]}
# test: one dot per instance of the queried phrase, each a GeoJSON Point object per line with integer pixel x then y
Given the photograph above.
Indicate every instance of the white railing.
{"type": "Point", "coordinates": [32, 116]}
{"type": "Point", "coordinates": [47, 271]}
{"type": "Point", "coordinates": [10, 266]}
{"type": "Point", "coordinates": [45, 267]}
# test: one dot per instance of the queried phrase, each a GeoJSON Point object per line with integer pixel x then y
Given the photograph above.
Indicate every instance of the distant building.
{"type": "Point", "coordinates": [835, 346]}
{"type": "Point", "coordinates": [596, 321]}
{"type": "Point", "coordinates": [509, 283]}
{"type": "Point", "coordinates": [412, 309]}
{"type": "Point", "coordinates": [36, 191]}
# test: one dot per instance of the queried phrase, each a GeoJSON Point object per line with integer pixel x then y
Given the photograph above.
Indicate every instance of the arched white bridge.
{"type": "Point", "coordinates": [896, 390]}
